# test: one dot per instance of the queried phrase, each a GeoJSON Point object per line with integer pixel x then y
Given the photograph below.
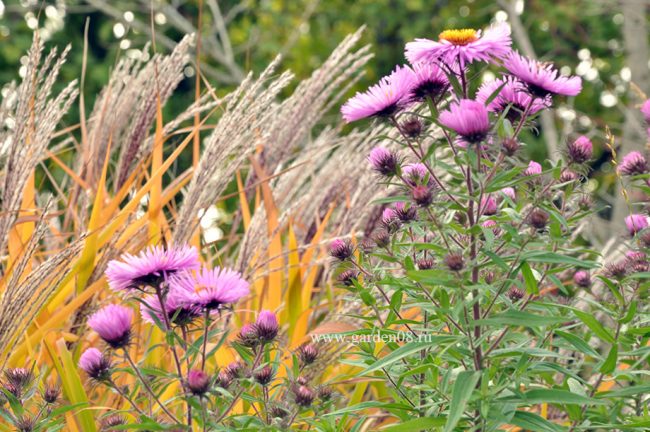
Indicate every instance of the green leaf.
{"type": "Point", "coordinates": [593, 324]}
{"type": "Point", "coordinates": [529, 278]}
{"type": "Point", "coordinates": [405, 350]}
{"type": "Point", "coordinates": [417, 424]}
{"type": "Point", "coordinates": [520, 318]}
{"type": "Point", "coordinates": [531, 421]}
{"type": "Point", "coordinates": [555, 396]}
{"type": "Point", "coordinates": [463, 388]}
{"type": "Point", "coordinates": [556, 258]}
{"type": "Point", "coordinates": [609, 364]}
{"type": "Point", "coordinates": [578, 343]}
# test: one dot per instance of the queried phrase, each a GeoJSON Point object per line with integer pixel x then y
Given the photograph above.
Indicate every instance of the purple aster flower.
{"type": "Point", "coordinates": [95, 364]}
{"type": "Point", "coordinates": [212, 287]}
{"type": "Point", "coordinates": [464, 46]}
{"type": "Point", "coordinates": [540, 78]}
{"type": "Point", "coordinates": [512, 96]}
{"type": "Point", "coordinates": [178, 304]}
{"type": "Point", "coordinates": [509, 192]}
{"type": "Point", "coordinates": [267, 326]}
{"type": "Point", "coordinates": [533, 169]}
{"type": "Point", "coordinates": [384, 99]}
{"type": "Point", "coordinates": [635, 256]}
{"type": "Point", "coordinates": [633, 163]}
{"type": "Point", "coordinates": [430, 82]}
{"type": "Point", "coordinates": [467, 118]}
{"type": "Point", "coordinates": [384, 161]}
{"type": "Point", "coordinates": [635, 223]}
{"type": "Point", "coordinates": [113, 324]}
{"type": "Point", "coordinates": [150, 267]}
{"type": "Point", "coordinates": [488, 205]}
{"type": "Point", "coordinates": [580, 150]}
{"type": "Point", "coordinates": [415, 173]}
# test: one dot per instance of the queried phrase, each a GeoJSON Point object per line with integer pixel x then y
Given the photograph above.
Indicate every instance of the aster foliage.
{"type": "Point", "coordinates": [479, 264]}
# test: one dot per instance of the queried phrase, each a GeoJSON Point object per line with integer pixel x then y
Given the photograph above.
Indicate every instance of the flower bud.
{"type": "Point", "coordinates": [580, 150]}
{"type": "Point", "coordinates": [538, 219]}
{"type": "Point", "coordinates": [304, 396]}
{"type": "Point", "coordinates": [515, 294]}
{"type": "Point", "coordinates": [533, 169]}
{"type": "Point", "coordinates": [633, 163]}
{"type": "Point", "coordinates": [348, 277]}
{"type": "Point", "coordinates": [488, 205]}
{"type": "Point", "coordinates": [198, 382]}
{"type": "Point", "coordinates": [582, 279]}
{"type": "Point", "coordinates": [488, 277]}
{"type": "Point", "coordinates": [95, 364]}
{"type": "Point", "coordinates": [235, 369]}
{"type": "Point", "coordinates": [454, 261]}
{"type": "Point", "coordinates": [25, 424]}
{"type": "Point", "coordinates": [425, 263]}
{"type": "Point", "coordinates": [404, 213]}
{"type": "Point", "coordinates": [384, 161]}
{"type": "Point", "coordinates": [267, 326]}
{"type": "Point", "coordinates": [382, 238]}
{"type": "Point", "coordinates": [263, 376]}
{"type": "Point", "coordinates": [568, 176]}
{"type": "Point", "coordinates": [51, 393]}
{"type": "Point", "coordinates": [224, 379]}
{"type": "Point", "coordinates": [510, 193]}
{"type": "Point", "coordinates": [636, 223]}
{"type": "Point", "coordinates": [17, 380]}
{"type": "Point", "coordinates": [341, 249]}
{"type": "Point", "coordinates": [509, 146]}
{"type": "Point", "coordinates": [324, 393]}
{"type": "Point", "coordinates": [422, 195]}
{"type": "Point", "coordinates": [248, 336]}
{"type": "Point", "coordinates": [277, 411]}
{"type": "Point", "coordinates": [112, 421]}
{"type": "Point", "coordinates": [390, 219]}
{"type": "Point", "coordinates": [308, 353]}
{"type": "Point", "coordinates": [616, 270]}
{"type": "Point", "coordinates": [412, 127]}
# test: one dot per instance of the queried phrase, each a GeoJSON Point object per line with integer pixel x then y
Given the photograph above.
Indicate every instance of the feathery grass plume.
{"type": "Point", "coordinates": [20, 303]}
{"type": "Point", "coordinates": [34, 114]}
{"type": "Point", "coordinates": [154, 83]}
{"type": "Point", "coordinates": [247, 111]}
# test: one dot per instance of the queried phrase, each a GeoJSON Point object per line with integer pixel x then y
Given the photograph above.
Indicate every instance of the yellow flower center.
{"type": "Point", "coordinates": [459, 37]}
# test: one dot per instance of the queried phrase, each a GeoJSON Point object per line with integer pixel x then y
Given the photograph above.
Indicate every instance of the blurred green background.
{"type": "Point", "coordinates": [583, 37]}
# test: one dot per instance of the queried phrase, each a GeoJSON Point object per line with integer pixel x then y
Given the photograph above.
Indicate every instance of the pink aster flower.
{"type": "Point", "coordinates": [464, 46]}
{"type": "Point", "coordinates": [512, 96]}
{"type": "Point", "coordinates": [384, 99]}
{"type": "Point", "coordinates": [468, 118]}
{"type": "Point", "coordinates": [198, 382]}
{"type": "Point", "coordinates": [533, 169]}
{"type": "Point", "coordinates": [212, 287]}
{"type": "Point", "coordinates": [633, 163]}
{"type": "Point", "coordinates": [415, 173]}
{"type": "Point", "coordinates": [540, 78]}
{"type": "Point", "coordinates": [384, 161]}
{"type": "Point", "coordinates": [430, 81]}
{"type": "Point", "coordinates": [580, 150]}
{"type": "Point", "coordinates": [150, 267]}
{"type": "Point", "coordinates": [113, 324]}
{"type": "Point", "coordinates": [95, 364]}
{"type": "Point", "coordinates": [178, 305]}
{"type": "Point", "coordinates": [635, 223]}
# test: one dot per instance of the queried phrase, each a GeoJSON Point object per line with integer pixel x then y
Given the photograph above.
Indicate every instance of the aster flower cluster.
{"type": "Point", "coordinates": [479, 240]}
{"type": "Point", "coordinates": [178, 295]}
